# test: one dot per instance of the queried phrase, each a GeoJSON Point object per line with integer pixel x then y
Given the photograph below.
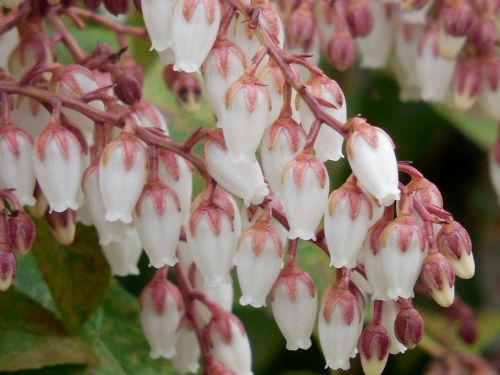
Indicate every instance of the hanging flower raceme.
{"type": "Point", "coordinates": [123, 254]}
{"type": "Point", "coordinates": [161, 312]}
{"type": "Point", "coordinates": [370, 152]}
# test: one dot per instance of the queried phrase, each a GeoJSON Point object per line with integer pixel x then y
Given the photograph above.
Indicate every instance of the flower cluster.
{"type": "Point", "coordinates": [78, 142]}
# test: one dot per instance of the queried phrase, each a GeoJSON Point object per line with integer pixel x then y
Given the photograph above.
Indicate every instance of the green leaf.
{"type": "Point", "coordinates": [32, 337]}
{"type": "Point", "coordinates": [77, 276]}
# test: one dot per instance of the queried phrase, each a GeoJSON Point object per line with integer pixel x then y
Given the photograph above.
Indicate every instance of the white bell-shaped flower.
{"type": "Point", "coordinates": [29, 115]}
{"type": "Point", "coordinates": [124, 254]}
{"type": "Point", "coordinates": [370, 152]}
{"type": "Point", "coordinates": [243, 179]}
{"type": "Point", "coordinates": [16, 163]}
{"type": "Point", "coordinates": [348, 216]}
{"type": "Point", "coordinates": [187, 350]}
{"type": "Point", "coordinates": [328, 145]}
{"type": "Point", "coordinates": [161, 312]}
{"type": "Point", "coordinates": [304, 191]}
{"type": "Point", "coordinates": [244, 118]}
{"type": "Point", "coordinates": [159, 220]}
{"type": "Point", "coordinates": [295, 302]}
{"type": "Point", "coordinates": [259, 259]}
{"type": "Point", "coordinates": [250, 215]}
{"type": "Point", "coordinates": [122, 175]}
{"type": "Point", "coordinates": [194, 28]}
{"type": "Point", "coordinates": [33, 48]}
{"type": "Point", "coordinates": [107, 231]}
{"type": "Point", "coordinates": [282, 141]}
{"type": "Point", "coordinates": [339, 325]}
{"type": "Point", "coordinates": [390, 311]}
{"type": "Point", "coordinates": [150, 117]}
{"type": "Point", "coordinates": [224, 64]}
{"type": "Point", "coordinates": [57, 161]}
{"type": "Point", "coordinates": [175, 172]}
{"type": "Point", "coordinates": [157, 16]}
{"type": "Point", "coordinates": [8, 41]}
{"type": "Point", "coordinates": [375, 47]}
{"type": "Point", "coordinates": [212, 235]}
{"type": "Point", "coordinates": [229, 343]}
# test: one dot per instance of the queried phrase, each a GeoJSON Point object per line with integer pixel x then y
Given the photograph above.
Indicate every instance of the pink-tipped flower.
{"type": "Point", "coordinates": [370, 152]}
{"type": "Point", "coordinates": [389, 313]}
{"type": "Point", "coordinates": [259, 258]}
{"type": "Point", "coordinates": [161, 312]}
{"type": "Point", "coordinates": [300, 27]}
{"type": "Point", "coordinates": [360, 18]}
{"type": "Point", "coordinates": [328, 145]}
{"type": "Point", "coordinates": [304, 190]}
{"type": "Point", "coordinates": [224, 64]}
{"type": "Point", "coordinates": [62, 225]}
{"type": "Point", "coordinates": [373, 348]}
{"type": "Point", "coordinates": [341, 50]}
{"type": "Point", "coordinates": [244, 118]}
{"type": "Point", "coordinates": [21, 233]}
{"type": "Point", "coordinates": [187, 350]}
{"type": "Point", "coordinates": [29, 115]}
{"type": "Point", "coordinates": [339, 325]}
{"type": "Point", "coordinates": [229, 343]}
{"type": "Point", "coordinates": [214, 227]}
{"type": "Point", "coordinates": [483, 35]}
{"type": "Point", "coordinates": [33, 48]}
{"type": "Point", "coordinates": [244, 179]}
{"type": "Point", "coordinates": [438, 276]}
{"type": "Point", "coordinates": [8, 265]}
{"type": "Point", "coordinates": [150, 116]}
{"type": "Point", "coordinates": [57, 161]}
{"type": "Point", "coordinates": [281, 142]}
{"type": "Point", "coordinates": [454, 243]}
{"type": "Point", "coordinates": [122, 175]}
{"type": "Point", "coordinates": [157, 16]}
{"type": "Point", "coordinates": [123, 255]}
{"type": "Point", "coordinates": [467, 83]}
{"type": "Point", "coordinates": [194, 28]}
{"type": "Point", "coordinates": [250, 215]}
{"type": "Point", "coordinates": [16, 163]}
{"type": "Point", "coordinates": [348, 216]}
{"type": "Point", "coordinates": [409, 327]}
{"type": "Point", "coordinates": [294, 302]}
{"type": "Point", "coordinates": [159, 221]}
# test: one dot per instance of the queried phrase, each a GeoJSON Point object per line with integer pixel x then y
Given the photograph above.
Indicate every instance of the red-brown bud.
{"type": "Point", "coordinates": [341, 50]}
{"type": "Point", "coordinates": [483, 35]}
{"type": "Point", "coordinates": [301, 25]}
{"type": "Point", "coordinates": [127, 88]}
{"type": "Point", "coordinates": [454, 243]}
{"type": "Point", "coordinates": [62, 225]}
{"type": "Point", "coordinates": [21, 233]}
{"type": "Point", "coordinates": [116, 7]}
{"type": "Point", "coordinates": [409, 327]}
{"type": "Point", "coordinates": [438, 276]}
{"type": "Point", "coordinates": [359, 17]}
{"type": "Point", "coordinates": [373, 347]}
{"type": "Point", "coordinates": [457, 18]}
{"type": "Point", "coordinates": [7, 265]}
{"type": "Point", "coordinates": [92, 4]}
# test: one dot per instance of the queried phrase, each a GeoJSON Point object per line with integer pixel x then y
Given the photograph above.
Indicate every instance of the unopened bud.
{"type": "Point", "coordinates": [483, 35]}
{"type": "Point", "coordinates": [409, 327]}
{"type": "Point", "coordinates": [468, 81]}
{"type": "Point", "coordinates": [341, 51]}
{"type": "Point", "coordinates": [438, 276]}
{"type": "Point", "coordinates": [127, 88]}
{"type": "Point", "coordinates": [188, 91]}
{"type": "Point", "coordinates": [62, 225]}
{"type": "Point", "coordinates": [21, 233]}
{"type": "Point", "coordinates": [300, 26]}
{"type": "Point", "coordinates": [117, 7]}
{"type": "Point", "coordinates": [359, 17]}
{"type": "Point", "coordinates": [454, 243]}
{"type": "Point", "coordinates": [373, 347]}
{"type": "Point", "coordinates": [457, 18]}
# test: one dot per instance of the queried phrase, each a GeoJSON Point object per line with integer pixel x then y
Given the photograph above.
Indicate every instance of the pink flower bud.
{"type": "Point", "coordinates": [438, 276]}
{"type": "Point", "coordinates": [360, 17]}
{"type": "Point", "coordinates": [187, 350]}
{"type": "Point", "coordinates": [304, 190]}
{"type": "Point", "coordinates": [117, 7]}
{"type": "Point", "coordinates": [425, 191]}
{"type": "Point", "coordinates": [258, 260]}
{"type": "Point", "coordinates": [370, 152]}
{"type": "Point", "coordinates": [127, 88]}
{"type": "Point", "coordinates": [243, 179]}
{"type": "Point", "coordinates": [33, 48]}
{"type": "Point", "coordinates": [457, 18]}
{"type": "Point", "coordinates": [150, 117]}
{"type": "Point", "coordinates": [454, 243]}
{"type": "Point", "coordinates": [8, 265]}
{"type": "Point", "coordinates": [57, 162]}
{"type": "Point", "coordinates": [328, 145]}
{"type": "Point", "coordinates": [483, 35]}
{"type": "Point", "coordinates": [390, 311]}
{"type": "Point", "coordinates": [409, 327]}
{"type": "Point", "coordinates": [341, 50]}
{"type": "Point", "coordinates": [229, 343]}
{"type": "Point", "coordinates": [214, 227]}
{"type": "Point", "coordinates": [21, 233]}
{"type": "Point", "coordinates": [161, 312]}
{"type": "Point", "coordinates": [122, 174]}
{"type": "Point", "coordinates": [295, 302]}
{"type": "Point", "coordinates": [123, 254]}
{"type": "Point", "coordinates": [339, 325]}
{"type": "Point", "coordinates": [62, 225]}
{"type": "Point", "coordinates": [157, 16]}
{"type": "Point", "coordinates": [16, 163]}
{"type": "Point", "coordinates": [348, 216]}
{"type": "Point", "coordinates": [244, 118]}
{"type": "Point", "coordinates": [281, 142]}
{"type": "Point", "coordinates": [301, 25]}
{"type": "Point", "coordinates": [373, 347]}
{"type": "Point", "coordinates": [194, 29]}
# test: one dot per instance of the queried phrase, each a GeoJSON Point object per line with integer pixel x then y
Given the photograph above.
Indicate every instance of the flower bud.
{"type": "Point", "coordinates": [389, 313]}
{"type": "Point", "coordinates": [328, 145]}
{"type": "Point", "coordinates": [250, 215]}
{"type": "Point", "coordinates": [21, 233]}
{"type": "Point", "coordinates": [483, 35]}
{"type": "Point", "coordinates": [117, 7]}
{"type": "Point", "coordinates": [258, 260]}
{"type": "Point", "coordinates": [348, 216]}
{"type": "Point", "coordinates": [339, 325]}
{"type": "Point", "coordinates": [409, 327]}
{"type": "Point", "coordinates": [438, 276]}
{"type": "Point", "coordinates": [41, 205]}
{"type": "Point", "coordinates": [123, 255]}
{"type": "Point", "coordinates": [16, 163]}
{"type": "Point", "coordinates": [304, 190]}
{"type": "Point", "coordinates": [457, 18]}
{"type": "Point", "coordinates": [161, 312]}
{"type": "Point", "coordinates": [229, 343]}
{"type": "Point", "coordinates": [127, 88]}
{"type": "Point", "coordinates": [157, 16]}
{"type": "Point", "coordinates": [454, 243]}
{"type": "Point", "coordinates": [62, 225]}
{"type": "Point", "coordinates": [294, 302]}
{"type": "Point", "coordinates": [301, 25]}
{"type": "Point", "coordinates": [187, 350]}
{"type": "Point", "coordinates": [57, 160]}
{"type": "Point", "coordinates": [224, 64]}
{"type": "Point", "coordinates": [194, 29]}
{"type": "Point", "coordinates": [33, 48]}
{"type": "Point", "coordinates": [341, 50]}
{"type": "Point", "coordinates": [159, 221]}
{"type": "Point", "coordinates": [370, 152]}
{"type": "Point", "coordinates": [122, 174]}
{"type": "Point", "coordinates": [8, 266]}
{"type": "Point", "coordinates": [150, 117]}
{"type": "Point", "coordinates": [244, 119]}
{"type": "Point", "coordinates": [214, 227]}
{"type": "Point", "coordinates": [243, 179]}
{"type": "Point", "coordinates": [188, 91]}
{"type": "Point", "coordinates": [373, 348]}
{"type": "Point", "coordinates": [359, 17]}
